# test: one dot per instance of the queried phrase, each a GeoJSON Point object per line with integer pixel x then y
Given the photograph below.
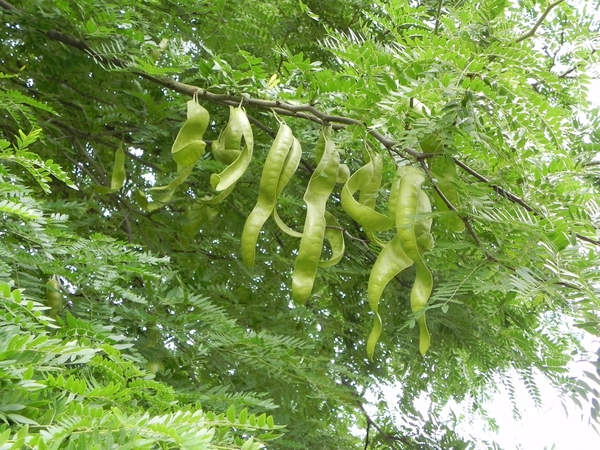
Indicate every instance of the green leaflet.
{"type": "Point", "coordinates": [118, 175]}
{"type": "Point", "coordinates": [367, 180]}
{"type": "Point", "coordinates": [319, 189]}
{"type": "Point", "coordinates": [267, 192]}
{"type": "Point", "coordinates": [444, 170]}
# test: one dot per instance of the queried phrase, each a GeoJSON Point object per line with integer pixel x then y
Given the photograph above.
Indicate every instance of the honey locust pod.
{"type": "Point", "coordinates": [189, 146]}
{"type": "Point", "coordinates": [267, 192]}
{"type": "Point", "coordinates": [367, 180]}
{"type": "Point", "coordinates": [237, 128]}
{"type": "Point", "coordinates": [411, 226]}
{"type": "Point", "coordinates": [319, 189]}
{"type": "Point", "coordinates": [54, 297]}
{"type": "Point", "coordinates": [118, 175]}
{"type": "Point", "coordinates": [186, 150]}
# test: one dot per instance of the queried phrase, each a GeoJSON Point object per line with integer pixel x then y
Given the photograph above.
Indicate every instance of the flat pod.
{"type": "Point", "coordinates": [189, 146]}
{"type": "Point", "coordinates": [267, 192]}
{"type": "Point", "coordinates": [118, 174]}
{"type": "Point", "coordinates": [411, 227]}
{"type": "Point", "coordinates": [319, 189]}
{"type": "Point", "coordinates": [237, 127]}
{"type": "Point", "coordinates": [368, 179]}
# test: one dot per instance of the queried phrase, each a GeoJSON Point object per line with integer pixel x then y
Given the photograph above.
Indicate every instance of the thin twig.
{"type": "Point", "coordinates": [437, 17]}
{"type": "Point", "coordinates": [307, 112]}
{"type": "Point", "coordinates": [515, 199]}
{"type": "Point", "coordinates": [539, 22]}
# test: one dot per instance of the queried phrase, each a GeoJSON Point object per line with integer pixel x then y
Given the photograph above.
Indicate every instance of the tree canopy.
{"type": "Point", "coordinates": [238, 224]}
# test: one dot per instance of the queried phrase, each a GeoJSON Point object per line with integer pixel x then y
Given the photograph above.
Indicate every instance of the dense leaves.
{"type": "Point", "coordinates": [106, 188]}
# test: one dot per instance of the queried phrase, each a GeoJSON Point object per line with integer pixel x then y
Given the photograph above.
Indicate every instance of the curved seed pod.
{"type": "Point", "coordinates": [319, 189]}
{"type": "Point", "coordinates": [409, 227]}
{"type": "Point", "coordinates": [423, 223]}
{"type": "Point", "coordinates": [343, 174]}
{"type": "Point", "coordinates": [231, 139]}
{"type": "Point", "coordinates": [188, 145]}
{"type": "Point", "coordinates": [444, 169]}
{"type": "Point", "coordinates": [367, 180]}
{"type": "Point", "coordinates": [224, 156]}
{"type": "Point", "coordinates": [187, 149]}
{"type": "Point", "coordinates": [54, 297]}
{"type": "Point", "coordinates": [391, 261]}
{"type": "Point", "coordinates": [169, 188]}
{"type": "Point", "coordinates": [290, 166]}
{"type": "Point", "coordinates": [283, 227]}
{"type": "Point", "coordinates": [335, 236]}
{"type": "Point", "coordinates": [267, 192]}
{"type": "Point", "coordinates": [118, 174]}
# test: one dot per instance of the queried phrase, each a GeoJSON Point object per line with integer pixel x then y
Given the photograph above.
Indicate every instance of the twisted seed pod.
{"type": "Point", "coordinates": [267, 192]}
{"type": "Point", "coordinates": [334, 234]}
{"type": "Point", "coordinates": [367, 180]}
{"type": "Point", "coordinates": [54, 297]}
{"type": "Point", "coordinates": [290, 166]}
{"type": "Point", "coordinates": [410, 230]}
{"type": "Point", "coordinates": [390, 262]}
{"type": "Point", "coordinates": [319, 189]}
{"type": "Point", "coordinates": [187, 149]}
{"type": "Point", "coordinates": [189, 146]}
{"type": "Point", "coordinates": [118, 174]}
{"type": "Point", "coordinates": [237, 128]}
{"type": "Point", "coordinates": [413, 226]}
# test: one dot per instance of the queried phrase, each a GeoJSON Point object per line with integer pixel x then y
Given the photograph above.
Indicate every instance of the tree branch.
{"type": "Point", "coordinates": [539, 22]}
{"type": "Point", "coordinates": [307, 112]}
{"type": "Point", "coordinates": [515, 199]}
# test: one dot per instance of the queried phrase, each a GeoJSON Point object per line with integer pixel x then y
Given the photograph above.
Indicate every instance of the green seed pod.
{"type": "Point", "coordinates": [267, 192]}
{"type": "Point", "coordinates": [237, 128]}
{"type": "Point", "coordinates": [367, 180]}
{"type": "Point", "coordinates": [319, 189]}
{"type": "Point", "coordinates": [189, 146]}
{"type": "Point", "coordinates": [410, 229]}
{"type": "Point", "coordinates": [118, 175]}
{"type": "Point", "coordinates": [54, 297]}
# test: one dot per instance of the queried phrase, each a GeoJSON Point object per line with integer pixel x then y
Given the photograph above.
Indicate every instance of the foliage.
{"type": "Point", "coordinates": [486, 102]}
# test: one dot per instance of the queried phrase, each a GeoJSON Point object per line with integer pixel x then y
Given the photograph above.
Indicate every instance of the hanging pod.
{"type": "Point", "coordinates": [230, 142]}
{"type": "Point", "coordinates": [117, 177]}
{"type": "Point", "coordinates": [189, 146]}
{"type": "Point", "coordinates": [186, 150]}
{"type": "Point", "coordinates": [367, 181]}
{"type": "Point", "coordinates": [267, 192]}
{"type": "Point", "coordinates": [410, 210]}
{"type": "Point", "coordinates": [414, 231]}
{"type": "Point", "coordinates": [237, 128]}
{"type": "Point", "coordinates": [54, 297]}
{"type": "Point", "coordinates": [319, 189]}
